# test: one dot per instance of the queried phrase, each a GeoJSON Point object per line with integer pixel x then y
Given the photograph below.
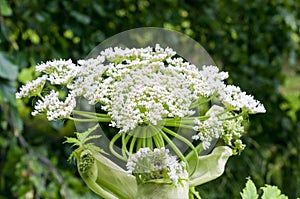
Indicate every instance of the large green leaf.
{"type": "Point", "coordinates": [210, 166]}
{"type": "Point", "coordinates": [7, 69]}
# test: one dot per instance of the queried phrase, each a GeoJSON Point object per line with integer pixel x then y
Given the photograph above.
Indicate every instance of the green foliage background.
{"type": "Point", "coordinates": [257, 42]}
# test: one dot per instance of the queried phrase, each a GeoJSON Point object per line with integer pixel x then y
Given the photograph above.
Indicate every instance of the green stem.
{"type": "Point", "coordinates": [179, 125]}
{"type": "Point", "coordinates": [234, 117]}
{"type": "Point", "coordinates": [125, 138]}
{"type": "Point", "coordinates": [190, 154]}
{"type": "Point", "coordinates": [132, 143]}
{"type": "Point", "coordinates": [99, 190]}
{"type": "Point", "coordinates": [39, 95]}
{"type": "Point", "coordinates": [174, 147]}
{"type": "Point", "coordinates": [85, 114]}
{"type": "Point", "coordinates": [187, 142]}
{"type": "Point", "coordinates": [90, 119]}
{"type": "Point", "coordinates": [144, 143]}
{"type": "Point", "coordinates": [193, 193]}
{"type": "Point", "coordinates": [111, 147]}
{"type": "Point", "coordinates": [158, 140]}
{"type": "Point", "coordinates": [144, 140]}
{"type": "Point", "coordinates": [139, 144]}
{"type": "Point", "coordinates": [149, 142]}
{"type": "Point", "coordinates": [90, 113]}
{"type": "Point", "coordinates": [161, 139]}
{"type": "Point", "coordinates": [184, 119]}
{"type": "Point", "coordinates": [179, 122]}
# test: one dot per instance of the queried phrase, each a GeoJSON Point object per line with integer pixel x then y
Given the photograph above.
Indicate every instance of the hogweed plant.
{"type": "Point", "coordinates": [150, 103]}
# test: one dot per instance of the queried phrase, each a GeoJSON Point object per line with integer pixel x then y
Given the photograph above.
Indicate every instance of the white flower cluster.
{"type": "Point", "coordinates": [233, 130]}
{"type": "Point", "coordinates": [57, 72]}
{"type": "Point", "coordinates": [210, 128]}
{"type": "Point", "coordinates": [118, 55]}
{"type": "Point", "coordinates": [137, 86]}
{"type": "Point", "coordinates": [60, 72]}
{"type": "Point", "coordinates": [54, 107]}
{"type": "Point", "coordinates": [146, 96]}
{"type": "Point", "coordinates": [205, 82]}
{"type": "Point", "coordinates": [154, 164]}
{"type": "Point", "coordinates": [32, 88]}
{"type": "Point", "coordinates": [220, 124]}
{"type": "Point", "coordinates": [233, 96]}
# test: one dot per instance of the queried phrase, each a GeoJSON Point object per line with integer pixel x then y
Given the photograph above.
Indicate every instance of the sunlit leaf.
{"type": "Point", "coordinates": [272, 192]}
{"type": "Point", "coordinates": [5, 9]}
{"type": "Point", "coordinates": [249, 192]}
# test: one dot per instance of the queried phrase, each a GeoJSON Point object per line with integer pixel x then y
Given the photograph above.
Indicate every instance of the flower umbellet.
{"type": "Point", "coordinates": [146, 95]}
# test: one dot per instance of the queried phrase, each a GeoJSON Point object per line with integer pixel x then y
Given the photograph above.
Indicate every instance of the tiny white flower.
{"type": "Point", "coordinates": [54, 107]}
{"type": "Point", "coordinates": [60, 72]}
{"type": "Point", "coordinates": [209, 129]}
{"type": "Point", "coordinates": [32, 88]}
{"type": "Point", "coordinates": [153, 163]}
{"type": "Point", "coordinates": [237, 99]}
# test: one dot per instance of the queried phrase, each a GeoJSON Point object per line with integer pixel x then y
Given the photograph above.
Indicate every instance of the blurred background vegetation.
{"type": "Point", "coordinates": [256, 41]}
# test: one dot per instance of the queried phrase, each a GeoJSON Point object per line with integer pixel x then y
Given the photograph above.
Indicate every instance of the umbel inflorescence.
{"type": "Point", "coordinates": [151, 87]}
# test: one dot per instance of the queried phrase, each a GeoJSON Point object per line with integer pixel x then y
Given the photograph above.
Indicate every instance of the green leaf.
{"type": "Point", "coordinates": [5, 9]}
{"type": "Point", "coordinates": [26, 74]}
{"type": "Point", "coordinates": [7, 92]}
{"type": "Point", "coordinates": [272, 192]}
{"type": "Point", "coordinates": [81, 17]}
{"type": "Point", "coordinates": [73, 141]}
{"type": "Point", "coordinates": [15, 118]}
{"type": "Point", "coordinates": [98, 8]}
{"type": "Point", "coordinates": [210, 166]}
{"type": "Point", "coordinates": [81, 142]}
{"type": "Point", "coordinates": [249, 192]}
{"type": "Point", "coordinates": [7, 69]}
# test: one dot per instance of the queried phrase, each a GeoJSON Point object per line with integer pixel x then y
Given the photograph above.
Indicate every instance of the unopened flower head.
{"type": "Point", "coordinates": [221, 124]}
